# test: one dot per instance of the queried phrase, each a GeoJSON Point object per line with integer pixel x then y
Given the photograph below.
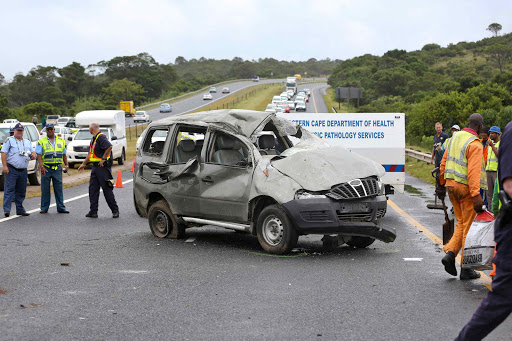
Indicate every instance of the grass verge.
{"type": "Point", "coordinates": [419, 169]}
{"type": "Point", "coordinates": [332, 103]}
{"type": "Point", "coordinates": [254, 98]}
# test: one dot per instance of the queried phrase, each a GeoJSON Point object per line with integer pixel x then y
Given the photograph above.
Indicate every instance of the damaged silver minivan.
{"type": "Point", "coordinates": [255, 172]}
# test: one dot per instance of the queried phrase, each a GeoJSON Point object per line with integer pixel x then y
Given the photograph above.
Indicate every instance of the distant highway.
{"type": "Point", "coordinates": [196, 101]}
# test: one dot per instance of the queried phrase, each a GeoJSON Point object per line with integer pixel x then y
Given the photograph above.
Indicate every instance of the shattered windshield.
{"type": "Point", "coordinates": [289, 138]}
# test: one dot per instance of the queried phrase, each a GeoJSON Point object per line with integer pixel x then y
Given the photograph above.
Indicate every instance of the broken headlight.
{"type": "Point", "coordinates": [380, 187]}
{"type": "Point", "coordinates": [306, 195]}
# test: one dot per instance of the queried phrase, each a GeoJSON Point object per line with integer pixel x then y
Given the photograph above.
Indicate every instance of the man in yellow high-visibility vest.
{"type": "Point", "coordinates": [492, 161]}
{"type": "Point", "coordinates": [461, 170]}
{"type": "Point", "coordinates": [51, 154]}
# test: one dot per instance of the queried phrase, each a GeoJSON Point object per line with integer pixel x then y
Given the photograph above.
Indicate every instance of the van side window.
{"type": "Point", "coordinates": [33, 134]}
{"type": "Point", "coordinates": [189, 143]}
{"type": "Point", "coordinates": [228, 150]}
{"type": "Point", "coordinates": [154, 142]}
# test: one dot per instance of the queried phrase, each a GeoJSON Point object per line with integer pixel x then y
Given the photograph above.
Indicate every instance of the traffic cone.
{"type": "Point", "coordinates": [119, 181]}
{"type": "Point", "coordinates": [133, 165]}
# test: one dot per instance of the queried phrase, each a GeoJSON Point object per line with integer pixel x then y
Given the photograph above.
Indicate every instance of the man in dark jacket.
{"type": "Point", "coordinates": [497, 305]}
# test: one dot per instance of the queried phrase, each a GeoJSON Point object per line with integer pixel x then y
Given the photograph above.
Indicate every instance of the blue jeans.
{"type": "Point", "coordinates": [54, 175]}
{"type": "Point", "coordinates": [15, 187]}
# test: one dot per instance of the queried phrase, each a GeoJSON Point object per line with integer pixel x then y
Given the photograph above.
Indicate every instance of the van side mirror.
{"type": "Point", "coordinates": [114, 138]}
{"type": "Point", "coordinates": [70, 138]}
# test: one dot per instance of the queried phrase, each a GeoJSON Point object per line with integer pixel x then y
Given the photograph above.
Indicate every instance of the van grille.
{"type": "Point", "coordinates": [81, 149]}
{"type": "Point", "coordinates": [315, 215]}
{"type": "Point", "coordinates": [354, 189]}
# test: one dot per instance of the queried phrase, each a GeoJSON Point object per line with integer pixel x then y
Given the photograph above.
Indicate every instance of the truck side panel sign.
{"type": "Point", "coordinates": [378, 136]}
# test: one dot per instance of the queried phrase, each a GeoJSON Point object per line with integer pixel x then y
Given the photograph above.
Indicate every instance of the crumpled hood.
{"type": "Point", "coordinates": [320, 169]}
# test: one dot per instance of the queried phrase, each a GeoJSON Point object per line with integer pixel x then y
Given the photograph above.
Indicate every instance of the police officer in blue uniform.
{"type": "Point", "coordinates": [16, 153]}
{"type": "Point", "coordinates": [497, 305]}
{"type": "Point", "coordinates": [101, 175]}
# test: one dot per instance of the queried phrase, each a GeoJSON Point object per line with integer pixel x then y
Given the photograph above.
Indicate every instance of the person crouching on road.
{"type": "Point", "coordinates": [101, 175]}
{"type": "Point", "coordinates": [16, 153]}
{"type": "Point", "coordinates": [461, 170]}
{"type": "Point", "coordinates": [492, 161]}
{"type": "Point", "coordinates": [51, 153]}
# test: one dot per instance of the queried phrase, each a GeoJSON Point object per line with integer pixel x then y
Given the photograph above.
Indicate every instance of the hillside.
{"type": "Point", "coordinates": [436, 83]}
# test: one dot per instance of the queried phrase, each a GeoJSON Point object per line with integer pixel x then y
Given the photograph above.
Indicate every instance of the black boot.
{"type": "Point", "coordinates": [449, 263]}
{"type": "Point", "coordinates": [469, 274]}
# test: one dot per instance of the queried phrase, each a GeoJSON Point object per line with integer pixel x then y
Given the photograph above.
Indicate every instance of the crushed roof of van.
{"type": "Point", "coordinates": [243, 122]}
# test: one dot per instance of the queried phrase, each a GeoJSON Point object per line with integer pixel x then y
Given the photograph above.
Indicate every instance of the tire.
{"type": "Point", "coordinates": [2, 182]}
{"type": "Point", "coordinates": [71, 165]}
{"type": "Point", "coordinates": [120, 160]}
{"type": "Point", "coordinates": [275, 231]}
{"type": "Point", "coordinates": [162, 222]}
{"type": "Point", "coordinates": [360, 242]}
{"type": "Point", "coordinates": [35, 178]}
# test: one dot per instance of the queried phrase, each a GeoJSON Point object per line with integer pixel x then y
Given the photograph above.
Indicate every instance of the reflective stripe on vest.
{"type": "Point", "coordinates": [52, 155]}
{"type": "Point", "coordinates": [456, 161]}
{"type": "Point", "coordinates": [492, 159]}
{"type": "Point", "coordinates": [92, 156]}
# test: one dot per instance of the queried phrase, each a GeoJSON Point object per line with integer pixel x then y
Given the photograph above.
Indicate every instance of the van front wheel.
{"type": "Point", "coordinates": [275, 231]}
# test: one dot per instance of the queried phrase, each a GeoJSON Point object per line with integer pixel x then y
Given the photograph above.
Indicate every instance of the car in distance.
{"type": "Point", "coordinates": [60, 131]}
{"type": "Point", "coordinates": [63, 120]}
{"type": "Point", "coordinates": [213, 89]}
{"type": "Point", "coordinates": [165, 107]}
{"type": "Point", "coordinates": [207, 97]}
{"type": "Point", "coordinates": [225, 90]}
{"type": "Point", "coordinates": [52, 119]}
{"type": "Point", "coordinates": [301, 106]}
{"type": "Point", "coordinates": [11, 121]}
{"type": "Point", "coordinates": [240, 170]}
{"type": "Point", "coordinates": [141, 116]}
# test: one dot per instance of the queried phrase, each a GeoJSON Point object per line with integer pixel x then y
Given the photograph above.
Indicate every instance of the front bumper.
{"type": "Point", "coordinates": [349, 217]}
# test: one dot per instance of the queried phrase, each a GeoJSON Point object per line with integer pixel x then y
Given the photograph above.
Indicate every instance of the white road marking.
{"type": "Point", "coordinates": [190, 240]}
{"type": "Point", "coordinates": [413, 259]}
{"type": "Point", "coordinates": [53, 205]}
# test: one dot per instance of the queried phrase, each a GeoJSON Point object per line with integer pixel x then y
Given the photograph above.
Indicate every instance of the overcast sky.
{"type": "Point", "coordinates": [56, 33]}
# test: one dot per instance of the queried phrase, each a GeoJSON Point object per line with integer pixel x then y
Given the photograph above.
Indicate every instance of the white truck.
{"type": "Point", "coordinates": [291, 84]}
{"type": "Point", "coordinates": [112, 124]}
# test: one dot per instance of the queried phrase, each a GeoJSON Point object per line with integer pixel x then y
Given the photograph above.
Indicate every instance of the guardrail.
{"type": "Point", "coordinates": [418, 155]}
{"type": "Point", "coordinates": [334, 109]}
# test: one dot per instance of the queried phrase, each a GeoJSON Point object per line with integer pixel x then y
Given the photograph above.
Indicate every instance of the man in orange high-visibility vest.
{"type": "Point", "coordinates": [99, 157]}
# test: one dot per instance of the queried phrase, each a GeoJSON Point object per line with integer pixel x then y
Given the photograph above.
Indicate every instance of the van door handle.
{"type": "Point", "coordinates": [207, 179]}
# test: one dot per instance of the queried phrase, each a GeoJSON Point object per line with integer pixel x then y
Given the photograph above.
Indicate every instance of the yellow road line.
{"type": "Point", "coordinates": [314, 102]}
{"type": "Point", "coordinates": [486, 280]}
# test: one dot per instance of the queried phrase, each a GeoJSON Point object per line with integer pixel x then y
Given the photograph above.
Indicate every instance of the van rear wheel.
{"type": "Point", "coordinates": [162, 222]}
{"type": "Point", "coordinates": [275, 231]}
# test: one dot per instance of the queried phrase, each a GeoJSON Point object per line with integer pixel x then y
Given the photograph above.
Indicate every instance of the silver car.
{"type": "Point", "coordinates": [254, 172]}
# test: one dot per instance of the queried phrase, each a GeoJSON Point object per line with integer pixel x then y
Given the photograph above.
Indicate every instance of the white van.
{"type": "Point", "coordinates": [112, 124]}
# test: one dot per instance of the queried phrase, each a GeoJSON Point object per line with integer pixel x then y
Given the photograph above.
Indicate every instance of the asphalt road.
{"type": "Point", "coordinates": [196, 101]}
{"type": "Point", "coordinates": [67, 277]}
{"type": "Point", "coordinates": [124, 284]}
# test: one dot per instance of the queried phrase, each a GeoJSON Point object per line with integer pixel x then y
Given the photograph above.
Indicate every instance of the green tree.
{"type": "Point", "coordinates": [71, 81]}
{"type": "Point", "coordinates": [87, 103]}
{"type": "Point", "coordinates": [123, 90]}
{"type": "Point", "coordinates": [4, 107]}
{"type": "Point", "coordinates": [494, 28]}
{"type": "Point", "coordinates": [499, 53]}
{"type": "Point", "coordinates": [40, 109]}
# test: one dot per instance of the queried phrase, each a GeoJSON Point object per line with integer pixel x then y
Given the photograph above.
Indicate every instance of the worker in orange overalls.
{"type": "Point", "coordinates": [461, 171]}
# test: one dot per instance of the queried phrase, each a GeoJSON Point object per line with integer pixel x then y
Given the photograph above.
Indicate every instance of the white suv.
{"type": "Point", "coordinates": [30, 133]}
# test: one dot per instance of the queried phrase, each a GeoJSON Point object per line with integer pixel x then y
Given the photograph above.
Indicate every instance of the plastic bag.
{"type": "Point", "coordinates": [479, 244]}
